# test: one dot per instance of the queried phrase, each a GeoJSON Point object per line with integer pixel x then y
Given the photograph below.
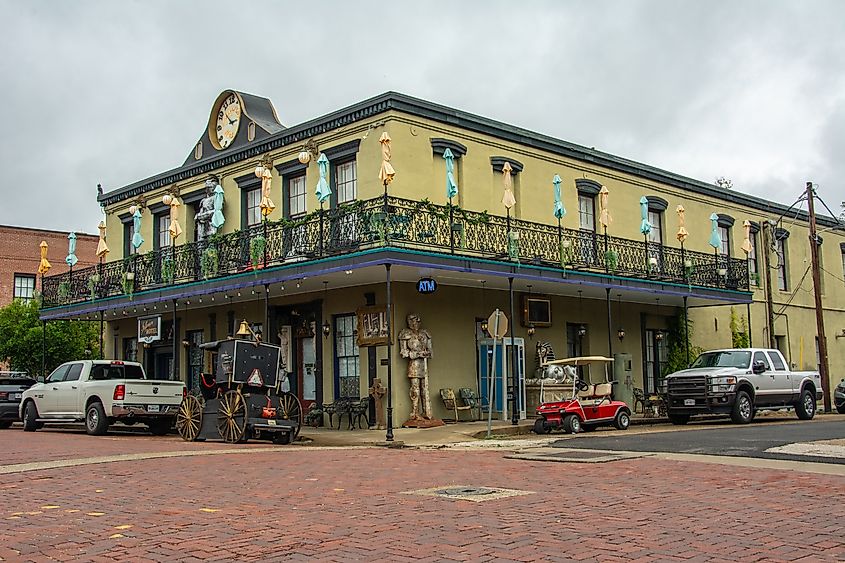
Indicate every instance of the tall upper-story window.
{"type": "Point", "coordinates": [656, 220]}
{"type": "Point", "coordinates": [162, 226]}
{"type": "Point", "coordinates": [253, 209]}
{"type": "Point", "coordinates": [457, 150]}
{"type": "Point", "coordinates": [725, 235]}
{"type": "Point", "coordinates": [250, 186]}
{"type": "Point", "coordinates": [587, 212]}
{"type": "Point", "coordinates": [24, 287]}
{"type": "Point", "coordinates": [346, 181]}
{"type": "Point", "coordinates": [296, 196]}
{"type": "Point", "coordinates": [128, 232]}
{"type": "Point", "coordinates": [753, 267]}
{"type": "Point", "coordinates": [782, 256]}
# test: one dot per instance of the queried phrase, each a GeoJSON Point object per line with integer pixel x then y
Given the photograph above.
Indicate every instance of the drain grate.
{"type": "Point", "coordinates": [467, 492]}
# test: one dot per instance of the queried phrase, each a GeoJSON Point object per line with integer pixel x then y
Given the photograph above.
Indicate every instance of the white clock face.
{"type": "Point", "coordinates": [228, 120]}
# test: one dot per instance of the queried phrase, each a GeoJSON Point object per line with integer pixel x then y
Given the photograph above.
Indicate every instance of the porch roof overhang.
{"type": "Point", "coordinates": [366, 267]}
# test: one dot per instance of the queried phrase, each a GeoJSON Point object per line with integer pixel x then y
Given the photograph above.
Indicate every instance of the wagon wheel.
{"type": "Point", "coordinates": [189, 418]}
{"type": "Point", "coordinates": [291, 409]}
{"type": "Point", "coordinates": [231, 417]}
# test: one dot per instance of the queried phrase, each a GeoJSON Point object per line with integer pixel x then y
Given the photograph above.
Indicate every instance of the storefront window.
{"type": "Point", "coordinates": [347, 370]}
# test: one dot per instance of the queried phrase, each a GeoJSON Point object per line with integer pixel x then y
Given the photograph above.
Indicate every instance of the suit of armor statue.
{"type": "Point", "coordinates": [415, 346]}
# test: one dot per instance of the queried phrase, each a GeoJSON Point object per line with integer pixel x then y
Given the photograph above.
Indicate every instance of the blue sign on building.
{"type": "Point", "coordinates": [426, 285]}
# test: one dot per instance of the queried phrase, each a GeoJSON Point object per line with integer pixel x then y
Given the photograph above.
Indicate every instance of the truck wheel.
{"type": "Point", "coordinates": [96, 423]}
{"type": "Point", "coordinates": [159, 427]}
{"type": "Point", "coordinates": [30, 417]}
{"type": "Point", "coordinates": [806, 406]}
{"type": "Point", "coordinates": [743, 410]}
{"type": "Point", "coordinates": [679, 419]}
{"type": "Point", "coordinates": [572, 424]}
{"type": "Point", "coordinates": [622, 420]}
{"type": "Point", "coordinates": [840, 408]}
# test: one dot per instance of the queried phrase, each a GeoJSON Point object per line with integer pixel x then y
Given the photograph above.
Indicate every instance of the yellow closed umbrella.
{"type": "Point", "coordinates": [102, 247]}
{"type": "Point", "coordinates": [267, 206]}
{"type": "Point", "coordinates": [604, 212]}
{"type": "Point", "coordinates": [44, 266]}
{"type": "Point", "coordinates": [508, 199]}
{"type": "Point", "coordinates": [682, 231]}
{"type": "Point", "coordinates": [386, 172]}
{"type": "Point", "coordinates": [174, 228]}
{"type": "Point", "coordinates": [746, 244]}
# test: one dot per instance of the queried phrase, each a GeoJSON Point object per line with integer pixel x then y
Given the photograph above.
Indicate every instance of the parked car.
{"type": "Point", "coordinates": [739, 382]}
{"type": "Point", "coordinates": [12, 386]}
{"type": "Point", "coordinates": [99, 393]}
{"type": "Point", "coordinates": [839, 397]}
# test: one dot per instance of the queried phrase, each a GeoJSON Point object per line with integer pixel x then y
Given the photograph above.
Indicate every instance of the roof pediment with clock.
{"type": "Point", "coordinates": [236, 120]}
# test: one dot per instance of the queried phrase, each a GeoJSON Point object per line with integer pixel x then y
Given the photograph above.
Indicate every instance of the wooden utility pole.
{"type": "Point", "coordinates": [817, 293]}
{"type": "Point", "coordinates": [770, 313]}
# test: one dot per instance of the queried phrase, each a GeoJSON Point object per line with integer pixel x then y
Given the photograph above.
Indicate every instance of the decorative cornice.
{"type": "Point", "coordinates": [125, 217]}
{"type": "Point", "coordinates": [587, 186]}
{"type": "Point", "coordinates": [439, 146]}
{"type": "Point", "coordinates": [755, 227]}
{"type": "Point", "coordinates": [248, 181]}
{"type": "Point", "coordinates": [781, 234]}
{"type": "Point", "coordinates": [725, 220]}
{"type": "Point", "coordinates": [498, 162]}
{"type": "Point", "coordinates": [159, 208]}
{"type": "Point", "coordinates": [291, 167]}
{"type": "Point", "coordinates": [342, 151]}
{"type": "Point", "coordinates": [656, 203]}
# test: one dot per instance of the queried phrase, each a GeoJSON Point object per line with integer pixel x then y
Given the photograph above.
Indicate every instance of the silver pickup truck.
{"type": "Point", "coordinates": [739, 382]}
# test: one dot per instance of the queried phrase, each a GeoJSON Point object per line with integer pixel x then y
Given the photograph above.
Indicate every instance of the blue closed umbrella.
{"type": "Point", "coordinates": [71, 259]}
{"type": "Point", "coordinates": [217, 218]}
{"type": "Point", "coordinates": [715, 238]}
{"type": "Point", "coordinates": [559, 210]}
{"type": "Point", "coordinates": [451, 185]}
{"type": "Point", "coordinates": [137, 239]}
{"type": "Point", "coordinates": [323, 189]}
{"type": "Point", "coordinates": [645, 227]}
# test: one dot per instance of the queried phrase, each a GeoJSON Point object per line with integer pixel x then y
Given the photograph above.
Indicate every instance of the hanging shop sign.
{"type": "Point", "coordinates": [149, 329]}
{"type": "Point", "coordinates": [426, 285]}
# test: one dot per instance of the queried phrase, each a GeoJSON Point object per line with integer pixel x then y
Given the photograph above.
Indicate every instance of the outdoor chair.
{"type": "Point", "coordinates": [639, 399]}
{"type": "Point", "coordinates": [451, 403]}
{"type": "Point", "coordinates": [470, 399]}
{"type": "Point", "coordinates": [358, 412]}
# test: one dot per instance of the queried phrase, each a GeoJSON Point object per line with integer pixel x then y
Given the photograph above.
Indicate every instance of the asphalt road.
{"type": "Point", "coordinates": [744, 441]}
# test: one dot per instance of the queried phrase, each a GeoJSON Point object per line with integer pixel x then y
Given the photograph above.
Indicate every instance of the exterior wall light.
{"type": "Point", "coordinates": [531, 330]}
{"type": "Point", "coordinates": [327, 329]}
{"type": "Point", "coordinates": [621, 333]}
{"type": "Point", "coordinates": [582, 330]}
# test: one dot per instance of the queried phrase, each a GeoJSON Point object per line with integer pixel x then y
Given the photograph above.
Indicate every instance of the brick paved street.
{"type": "Point", "coordinates": [347, 504]}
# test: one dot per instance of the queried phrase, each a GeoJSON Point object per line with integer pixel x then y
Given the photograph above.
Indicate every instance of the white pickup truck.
{"type": "Point", "coordinates": [101, 392]}
{"type": "Point", "coordinates": [740, 382]}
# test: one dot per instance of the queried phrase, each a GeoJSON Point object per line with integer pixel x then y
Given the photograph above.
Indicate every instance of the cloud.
{"type": "Point", "coordinates": [108, 92]}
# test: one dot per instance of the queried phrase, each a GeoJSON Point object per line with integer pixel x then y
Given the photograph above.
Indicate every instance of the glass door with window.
{"type": "Point", "coordinates": [307, 369]}
{"type": "Point", "coordinates": [347, 366]}
{"type": "Point", "coordinates": [656, 356]}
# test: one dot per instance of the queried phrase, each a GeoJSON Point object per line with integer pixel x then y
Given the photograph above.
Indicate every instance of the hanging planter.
{"type": "Point", "coordinates": [565, 253]}
{"type": "Point", "coordinates": [64, 290]}
{"type": "Point", "coordinates": [513, 246]}
{"type": "Point", "coordinates": [256, 250]}
{"type": "Point", "coordinates": [129, 283]}
{"type": "Point", "coordinates": [688, 267]}
{"type": "Point", "coordinates": [93, 280]}
{"type": "Point", "coordinates": [652, 264]}
{"type": "Point", "coordinates": [723, 272]}
{"type": "Point", "coordinates": [611, 259]}
{"type": "Point", "coordinates": [209, 262]}
{"type": "Point", "coordinates": [168, 269]}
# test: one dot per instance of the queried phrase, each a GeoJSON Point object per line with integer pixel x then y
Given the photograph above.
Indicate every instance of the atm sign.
{"type": "Point", "coordinates": [426, 285]}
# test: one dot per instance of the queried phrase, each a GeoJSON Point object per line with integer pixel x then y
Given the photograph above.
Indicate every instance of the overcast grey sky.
{"type": "Point", "coordinates": [116, 91]}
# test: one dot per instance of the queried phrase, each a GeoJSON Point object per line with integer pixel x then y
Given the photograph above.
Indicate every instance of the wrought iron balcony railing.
{"type": "Point", "coordinates": [394, 223]}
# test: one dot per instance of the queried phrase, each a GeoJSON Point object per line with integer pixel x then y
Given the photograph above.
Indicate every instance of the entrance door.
{"type": "Point", "coordinates": [306, 371]}
{"type": "Point", "coordinates": [163, 365]}
{"type": "Point", "coordinates": [656, 356]}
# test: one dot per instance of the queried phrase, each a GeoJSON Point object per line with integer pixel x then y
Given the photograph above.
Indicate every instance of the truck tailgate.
{"type": "Point", "coordinates": [154, 391]}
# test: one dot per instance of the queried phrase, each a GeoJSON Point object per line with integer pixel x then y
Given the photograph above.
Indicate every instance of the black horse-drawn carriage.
{"type": "Point", "coordinates": [241, 399]}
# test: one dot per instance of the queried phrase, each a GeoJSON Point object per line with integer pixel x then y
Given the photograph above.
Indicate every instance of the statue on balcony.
{"type": "Point", "coordinates": [415, 346]}
{"type": "Point", "coordinates": [203, 218]}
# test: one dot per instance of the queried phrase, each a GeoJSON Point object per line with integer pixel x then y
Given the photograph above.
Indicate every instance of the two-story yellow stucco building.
{"type": "Point", "coordinates": [607, 272]}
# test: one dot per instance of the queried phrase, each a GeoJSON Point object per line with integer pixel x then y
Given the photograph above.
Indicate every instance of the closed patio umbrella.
{"type": "Point", "coordinates": [715, 238]}
{"type": "Point", "coordinates": [386, 172]}
{"type": "Point", "coordinates": [604, 212]}
{"type": "Point", "coordinates": [746, 243]}
{"type": "Point", "coordinates": [175, 228]}
{"type": "Point", "coordinates": [217, 218]}
{"type": "Point", "coordinates": [451, 185]}
{"type": "Point", "coordinates": [137, 239]}
{"type": "Point", "coordinates": [102, 247]}
{"type": "Point", "coordinates": [71, 258]}
{"type": "Point", "coordinates": [645, 226]}
{"type": "Point", "coordinates": [44, 266]}
{"type": "Point", "coordinates": [266, 205]}
{"type": "Point", "coordinates": [324, 192]}
{"type": "Point", "coordinates": [559, 212]}
{"type": "Point", "coordinates": [682, 231]}
{"type": "Point", "coordinates": [509, 200]}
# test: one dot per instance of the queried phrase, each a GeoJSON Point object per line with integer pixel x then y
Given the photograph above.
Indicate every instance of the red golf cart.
{"type": "Point", "coordinates": [590, 404]}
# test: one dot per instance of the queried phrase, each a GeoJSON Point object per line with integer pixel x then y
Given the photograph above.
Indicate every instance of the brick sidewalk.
{"type": "Point", "coordinates": [341, 505]}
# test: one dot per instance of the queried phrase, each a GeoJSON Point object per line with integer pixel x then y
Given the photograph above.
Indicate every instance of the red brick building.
{"type": "Point", "coordinates": [20, 255]}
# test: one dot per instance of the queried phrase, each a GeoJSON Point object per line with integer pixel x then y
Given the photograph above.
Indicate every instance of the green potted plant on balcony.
{"type": "Point", "coordinates": [168, 270]}
{"type": "Point", "coordinates": [209, 262]}
{"type": "Point", "coordinates": [256, 250]}
{"type": "Point", "coordinates": [129, 283]}
{"type": "Point", "coordinates": [64, 290]}
{"type": "Point", "coordinates": [93, 280]}
{"type": "Point", "coordinates": [611, 260]}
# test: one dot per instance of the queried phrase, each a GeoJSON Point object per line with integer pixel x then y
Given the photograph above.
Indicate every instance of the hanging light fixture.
{"type": "Point", "coordinates": [531, 329]}
{"type": "Point", "coordinates": [582, 328]}
{"type": "Point", "coordinates": [621, 332]}
{"type": "Point", "coordinates": [658, 335]}
{"type": "Point", "coordinates": [483, 309]}
{"type": "Point", "coordinates": [327, 328]}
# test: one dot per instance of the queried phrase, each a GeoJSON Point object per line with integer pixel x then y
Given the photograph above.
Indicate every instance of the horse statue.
{"type": "Point", "coordinates": [545, 353]}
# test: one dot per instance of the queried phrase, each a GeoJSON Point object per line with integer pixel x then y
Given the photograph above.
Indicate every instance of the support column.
{"type": "Point", "coordinates": [44, 349]}
{"type": "Point", "coordinates": [174, 338]}
{"type": "Point", "coordinates": [514, 372]}
{"type": "Point", "coordinates": [102, 336]}
{"type": "Point", "coordinates": [389, 436]}
{"type": "Point", "coordinates": [748, 314]}
{"type": "Point", "coordinates": [686, 328]}
{"type": "Point", "coordinates": [609, 326]}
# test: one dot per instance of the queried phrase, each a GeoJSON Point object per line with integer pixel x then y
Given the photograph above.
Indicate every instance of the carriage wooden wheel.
{"type": "Point", "coordinates": [291, 409]}
{"type": "Point", "coordinates": [231, 417]}
{"type": "Point", "coordinates": [189, 418]}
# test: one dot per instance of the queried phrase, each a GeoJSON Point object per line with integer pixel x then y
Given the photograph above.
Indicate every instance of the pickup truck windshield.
{"type": "Point", "coordinates": [115, 371]}
{"type": "Point", "coordinates": [723, 360]}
